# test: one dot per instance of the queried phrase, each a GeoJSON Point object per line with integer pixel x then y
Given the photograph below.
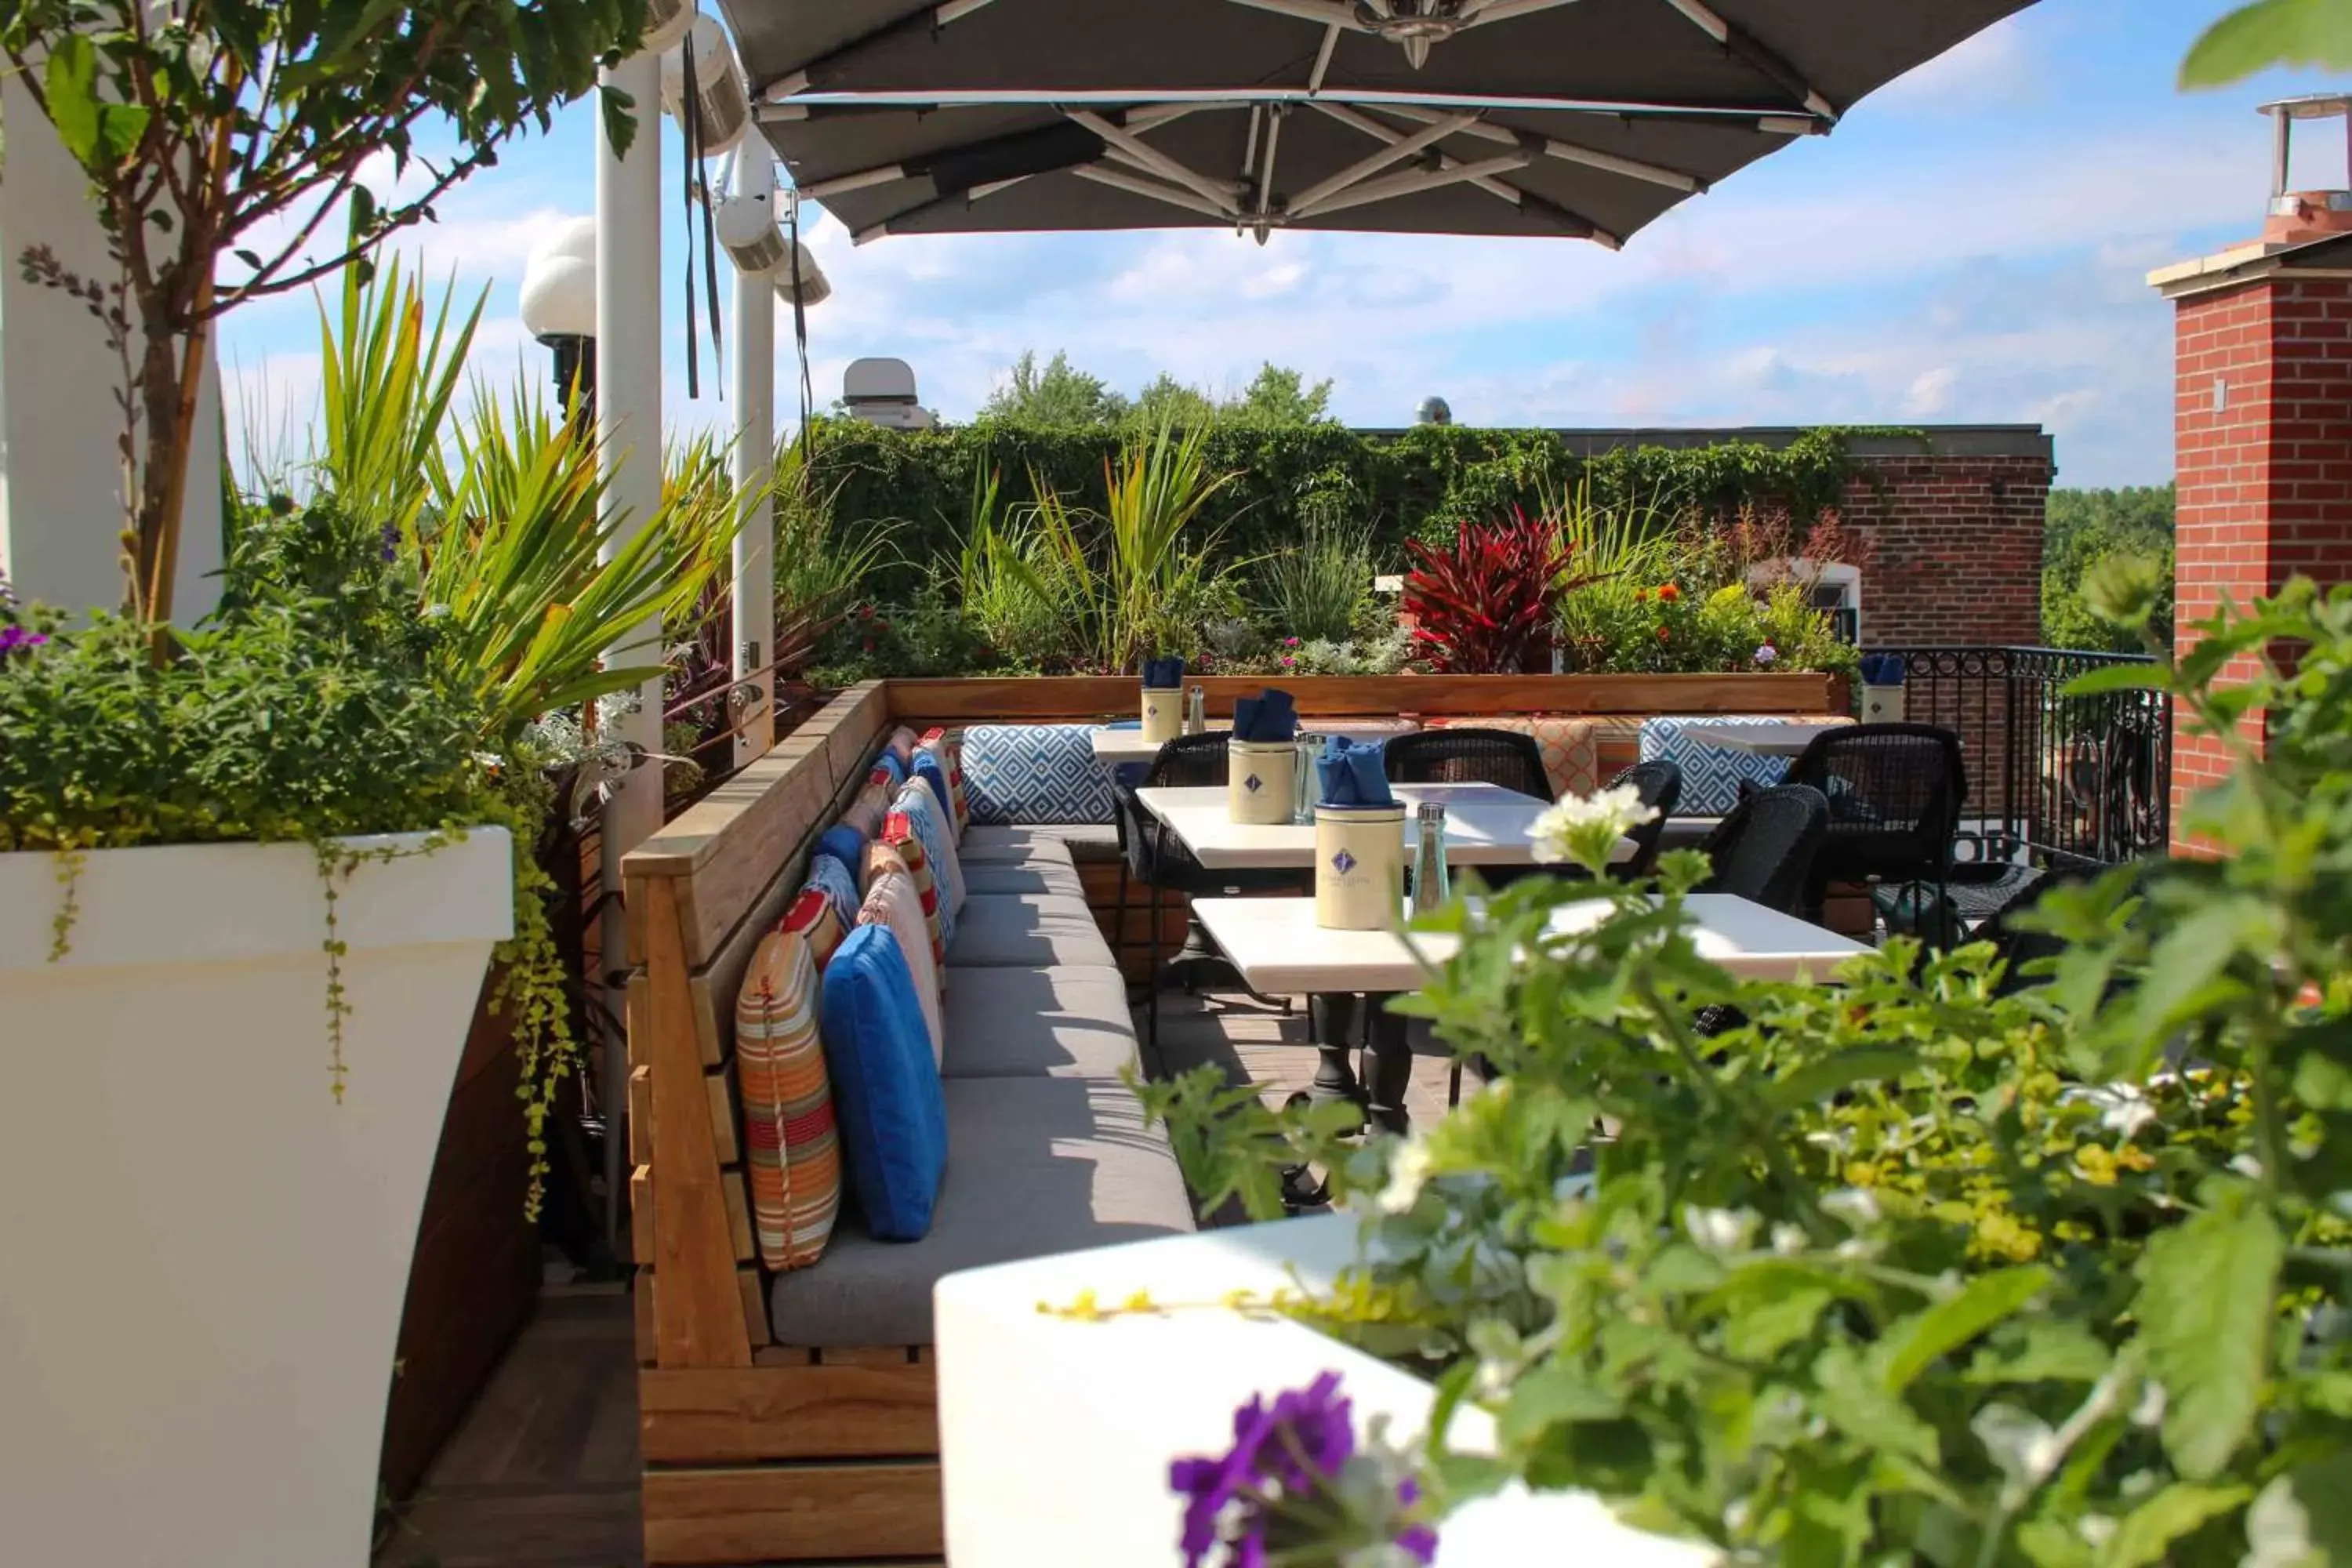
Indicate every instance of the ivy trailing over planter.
{"type": "Point", "coordinates": [1419, 483]}
{"type": "Point", "coordinates": [312, 708]}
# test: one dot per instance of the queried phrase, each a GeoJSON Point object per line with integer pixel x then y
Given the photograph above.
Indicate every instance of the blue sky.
{"type": "Point", "coordinates": [1972, 245]}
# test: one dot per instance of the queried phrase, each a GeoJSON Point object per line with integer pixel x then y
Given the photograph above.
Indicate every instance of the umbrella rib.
{"type": "Point", "coordinates": [1569, 152]}
{"type": "Point", "coordinates": [1436, 130]}
{"type": "Point", "coordinates": [1486, 11]}
{"type": "Point", "coordinates": [1753, 52]}
{"type": "Point", "coordinates": [1412, 182]}
{"type": "Point", "coordinates": [1323, 58]}
{"type": "Point", "coordinates": [1120, 181]}
{"type": "Point", "coordinates": [1501, 190]}
{"type": "Point", "coordinates": [1156, 161]}
{"type": "Point", "coordinates": [1266, 175]}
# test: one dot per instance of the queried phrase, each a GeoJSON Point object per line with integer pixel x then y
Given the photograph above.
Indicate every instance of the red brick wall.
{"type": "Point", "coordinates": [1958, 548]}
{"type": "Point", "coordinates": [2263, 467]}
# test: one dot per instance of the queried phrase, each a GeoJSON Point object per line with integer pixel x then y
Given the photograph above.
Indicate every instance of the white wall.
{"type": "Point", "coordinates": [61, 502]}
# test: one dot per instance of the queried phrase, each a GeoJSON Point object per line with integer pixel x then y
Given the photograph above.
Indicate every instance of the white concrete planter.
{"type": "Point", "coordinates": [205, 1255]}
{"type": "Point", "coordinates": [1056, 1436]}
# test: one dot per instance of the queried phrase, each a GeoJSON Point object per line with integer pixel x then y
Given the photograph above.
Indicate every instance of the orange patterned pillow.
{"type": "Point", "coordinates": [1571, 752]}
{"type": "Point", "coordinates": [816, 920]}
{"type": "Point", "coordinates": [791, 1148]}
{"type": "Point", "coordinates": [898, 837]}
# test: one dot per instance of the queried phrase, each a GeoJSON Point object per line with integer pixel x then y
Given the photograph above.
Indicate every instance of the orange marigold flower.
{"type": "Point", "coordinates": [1669, 592]}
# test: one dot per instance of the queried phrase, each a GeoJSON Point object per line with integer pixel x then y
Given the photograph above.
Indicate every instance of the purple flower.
{"type": "Point", "coordinates": [391, 542]}
{"type": "Point", "coordinates": [14, 638]}
{"type": "Point", "coordinates": [1286, 1455]}
{"type": "Point", "coordinates": [1766, 653]}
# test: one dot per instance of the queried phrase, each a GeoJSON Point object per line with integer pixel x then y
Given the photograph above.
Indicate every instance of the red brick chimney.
{"type": "Point", "coordinates": [2262, 410]}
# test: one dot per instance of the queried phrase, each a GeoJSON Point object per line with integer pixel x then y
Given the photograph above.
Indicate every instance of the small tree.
{"type": "Point", "coordinates": [221, 136]}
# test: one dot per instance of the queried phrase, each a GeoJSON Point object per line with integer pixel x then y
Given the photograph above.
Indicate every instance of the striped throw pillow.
{"type": "Point", "coordinates": [892, 900]}
{"type": "Point", "coordinates": [791, 1148]}
{"type": "Point", "coordinates": [949, 750]}
{"type": "Point", "coordinates": [899, 837]}
{"type": "Point", "coordinates": [816, 920]}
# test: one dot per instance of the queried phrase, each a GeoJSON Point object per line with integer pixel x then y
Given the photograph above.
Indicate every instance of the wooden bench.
{"type": "Point", "coordinates": [757, 1451]}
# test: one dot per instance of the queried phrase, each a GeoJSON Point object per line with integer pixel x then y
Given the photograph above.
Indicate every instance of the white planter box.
{"type": "Point", "coordinates": [1056, 1436]}
{"type": "Point", "coordinates": [205, 1255]}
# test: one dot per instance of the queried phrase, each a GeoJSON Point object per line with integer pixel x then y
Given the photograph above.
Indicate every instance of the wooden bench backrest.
{"type": "Point", "coordinates": [701, 894]}
{"type": "Point", "coordinates": [919, 703]}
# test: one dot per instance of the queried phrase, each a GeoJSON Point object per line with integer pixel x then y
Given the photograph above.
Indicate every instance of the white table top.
{"type": "Point", "coordinates": [1758, 740]}
{"type": "Point", "coordinates": [1486, 824]}
{"type": "Point", "coordinates": [1113, 747]}
{"type": "Point", "coordinates": [1280, 950]}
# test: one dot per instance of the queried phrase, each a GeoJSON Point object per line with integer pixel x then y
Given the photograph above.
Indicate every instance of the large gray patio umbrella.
{"type": "Point", "coordinates": [1577, 118]}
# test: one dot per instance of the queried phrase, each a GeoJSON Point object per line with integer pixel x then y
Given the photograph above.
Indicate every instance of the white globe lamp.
{"type": "Point", "coordinates": [559, 307]}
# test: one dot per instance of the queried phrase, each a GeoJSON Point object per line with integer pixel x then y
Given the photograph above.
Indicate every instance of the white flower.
{"type": "Point", "coordinates": [1408, 1169]}
{"type": "Point", "coordinates": [1788, 1240]}
{"type": "Point", "coordinates": [1577, 826]}
{"type": "Point", "coordinates": [1718, 1230]}
{"type": "Point", "coordinates": [2123, 1109]}
{"type": "Point", "coordinates": [1852, 1205]}
{"type": "Point", "coordinates": [2149, 1410]}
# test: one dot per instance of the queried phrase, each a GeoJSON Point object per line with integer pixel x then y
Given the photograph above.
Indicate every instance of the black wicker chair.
{"type": "Point", "coordinates": [1468, 755]}
{"type": "Point", "coordinates": [1895, 793]}
{"type": "Point", "coordinates": [1660, 783]}
{"type": "Point", "coordinates": [1152, 857]}
{"type": "Point", "coordinates": [1766, 849]}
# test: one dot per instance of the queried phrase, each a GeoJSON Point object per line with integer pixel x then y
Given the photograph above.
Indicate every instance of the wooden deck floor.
{"type": "Point", "coordinates": [544, 1471]}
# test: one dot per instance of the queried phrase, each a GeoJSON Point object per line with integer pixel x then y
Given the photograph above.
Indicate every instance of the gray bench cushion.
{"type": "Point", "coordinates": [1026, 930]}
{"type": "Point", "coordinates": [1079, 840]}
{"type": "Point", "coordinates": [1071, 1022]}
{"type": "Point", "coordinates": [1015, 845]}
{"type": "Point", "coordinates": [1035, 1166]}
{"type": "Point", "coordinates": [1037, 876]}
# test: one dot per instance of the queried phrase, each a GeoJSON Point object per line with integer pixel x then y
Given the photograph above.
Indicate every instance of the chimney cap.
{"type": "Point", "coordinates": [2310, 106]}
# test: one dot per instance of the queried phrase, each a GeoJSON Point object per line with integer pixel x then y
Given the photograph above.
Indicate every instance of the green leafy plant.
{"type": "Point", "coordinates": [1933, 1265]}
{"type": "Point", "coordinates": [1321, 588]}
{"type": "Point", "coordinates": [2266, 33]}
{"type": "Point", "coordinates": [219, 136]}
{"type": "Point", "coordinates": [1483, 604]}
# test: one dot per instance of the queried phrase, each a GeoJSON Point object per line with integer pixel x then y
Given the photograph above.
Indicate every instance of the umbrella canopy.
{"type": "Point", "coordinates": [1577, 117]}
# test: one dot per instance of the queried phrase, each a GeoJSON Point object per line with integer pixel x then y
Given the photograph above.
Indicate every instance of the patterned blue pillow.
{"type": "Point", "coordinates": [1711, 774]}
{"type": "Point", "coordinates": [887, 1098]}
{"type": "Point", "coordinates": [887, 761]}
{"type": "Point", "coordinates": [930, 771]}
{"type": "Point", "coordinates": [836, 880]}
{"type": "Point", "coordinates": [929, 824]}
{"type": "Point", "coordinates": [1035, 774]}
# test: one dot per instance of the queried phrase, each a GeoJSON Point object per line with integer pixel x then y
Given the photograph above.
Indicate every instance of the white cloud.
{"type": "Point", "coordinates": [1930, 394]}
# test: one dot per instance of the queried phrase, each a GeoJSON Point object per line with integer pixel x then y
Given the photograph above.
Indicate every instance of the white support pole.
{"type": "Point", "coordinates": [754, 467]}
{"type": "Point", "coordinates": [629, 427]}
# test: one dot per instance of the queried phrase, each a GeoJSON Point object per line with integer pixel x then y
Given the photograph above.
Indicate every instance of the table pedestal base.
{"type": "Point", "coordinates": [1338, 1021]}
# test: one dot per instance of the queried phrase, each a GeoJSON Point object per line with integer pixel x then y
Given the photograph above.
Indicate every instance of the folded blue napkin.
{"type": "Point", "coordinates": [1267, 717]}
{"type": "Point", "coordinates": [1351, 774]}
{"type": "Point", "coordinates": [1124, 724]}
{"type": "Point", "coordinates": [1160, 673]}
{"type": "Point", "coordinates": [1882, 669]}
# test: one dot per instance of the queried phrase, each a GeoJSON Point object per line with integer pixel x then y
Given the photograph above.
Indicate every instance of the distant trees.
{"type": "Point", "coordinates": [1059, 394]}
{"type": "Point", "coordinates": [2082, 528]}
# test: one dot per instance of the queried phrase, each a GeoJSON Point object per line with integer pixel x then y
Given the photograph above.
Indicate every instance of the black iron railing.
{"type": "Point", "coordinates": [2052, 778]}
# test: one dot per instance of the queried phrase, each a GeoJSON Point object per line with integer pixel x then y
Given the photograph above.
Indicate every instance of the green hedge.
{"type": "Point", "coordinates": [1422, 481]}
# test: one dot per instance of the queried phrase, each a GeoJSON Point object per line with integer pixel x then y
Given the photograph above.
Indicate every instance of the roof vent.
{"type": "Point", "coordinates": [2296, 217]}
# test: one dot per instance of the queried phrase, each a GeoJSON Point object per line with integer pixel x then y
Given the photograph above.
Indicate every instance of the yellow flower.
{"type": "Point", "coordinates": [2096, 1165]}
{"type": "Point", "coordinates": [2132, 1157]}
{"type": "Point", "coordinates": [1860, 1174]}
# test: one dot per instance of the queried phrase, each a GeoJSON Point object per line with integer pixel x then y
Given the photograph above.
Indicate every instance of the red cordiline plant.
{"type": "Point", "coordinates": [1484, 605]}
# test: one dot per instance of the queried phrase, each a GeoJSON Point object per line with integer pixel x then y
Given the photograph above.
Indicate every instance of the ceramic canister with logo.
{"type": "Point", "coordinates": [1163, 713]}
{"type": "Point", "coordinates": [1259, 781]}
{"type": "Point", "coordinates": [1359, 866]}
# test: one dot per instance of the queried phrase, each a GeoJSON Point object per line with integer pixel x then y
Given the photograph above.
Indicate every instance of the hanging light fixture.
{"type": "Point", "coordinates": [722, 97]}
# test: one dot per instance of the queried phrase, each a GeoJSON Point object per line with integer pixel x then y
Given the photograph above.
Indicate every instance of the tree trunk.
{"type": "Point", "coordinates": [159, 392]}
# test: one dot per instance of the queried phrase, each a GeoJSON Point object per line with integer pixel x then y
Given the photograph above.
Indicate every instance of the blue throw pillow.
{"type": "Point", "coordinates": [886, 1100]}
{"type": "Point", "coordinates": [844, 843]}
{"type": "Point", "coordinates": [929, 771]}
{"type": "Point", "coordinates": [887, 760]}
{"type": "Point", "coordinates": [1035, 774]}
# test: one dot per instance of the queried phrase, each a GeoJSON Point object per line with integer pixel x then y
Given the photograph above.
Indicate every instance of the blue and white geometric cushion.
{"type": "Point", "coordinates": [1711, 774]}
{"type": "Point", "coordinates": [1035, 774]}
